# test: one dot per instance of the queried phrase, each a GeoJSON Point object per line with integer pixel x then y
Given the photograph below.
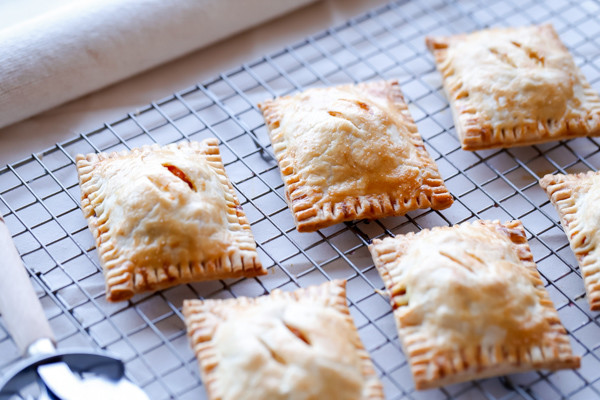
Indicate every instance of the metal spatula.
{"type": "Point", "coordinates": [48, 373]}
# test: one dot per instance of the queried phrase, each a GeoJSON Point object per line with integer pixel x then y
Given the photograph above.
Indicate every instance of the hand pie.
{"type": "Point", "coordinates": [513, 87]}
{"type": "Point", "coordinates": [351, 152]}
{"type": "Point", "coordinates": [287, 345]}
{"type": "Point", "coordinates": [577, 201]}
{"type": "Point", "coordinates": [163, 216]}
{"type": "Point", "coordinates": [469, 303]}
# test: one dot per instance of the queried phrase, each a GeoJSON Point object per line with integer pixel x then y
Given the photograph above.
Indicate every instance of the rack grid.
{"type": "Point", "coordinates": [39, 198]}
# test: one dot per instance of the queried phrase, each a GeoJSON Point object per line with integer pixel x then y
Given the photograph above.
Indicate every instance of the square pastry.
{"type": "Point", "coordinates": [513, 87]}
{"type": "Point", "coordinates": [163, 216]}
{"type": "Point", "coordinates": [351, 152]}
{"type": "Point", "coordinates": [577, 201]}
{"type": "Point", "coordinates": [287, 345]}
{"type": "Point", "coordinates": [469, 303]}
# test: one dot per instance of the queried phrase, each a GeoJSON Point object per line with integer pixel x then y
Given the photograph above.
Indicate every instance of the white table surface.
{"type": "Point", "coordinates": [91, 111]}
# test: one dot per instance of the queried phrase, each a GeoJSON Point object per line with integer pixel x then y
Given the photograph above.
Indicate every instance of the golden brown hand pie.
{"type": "Point", "coordinates": [469, 303]}
{"type": "Point", "coordinates": [514, 87]}
{"type": "Point", "coordinates": [287, 345]}
{"type": "Point", "coordinates": [351, 152]}
{"type": "Point", "coordinates": [577, 201]}
{"type": "Point", "coordinates": [163, 216]}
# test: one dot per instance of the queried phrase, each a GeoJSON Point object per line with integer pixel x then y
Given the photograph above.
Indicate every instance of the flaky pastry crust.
{"type": "Point", "coordinates": [351, 152]}
{"type": "Point", "coordinates": [513, 87]}
{"type": "Point", "coordinates": [163, 216]}
{"type": "Point", "coordinates": [469, 303]}
{"type": "Point", "coordinates": [287, 345]}
{"type": "Point", "coordinates": [577, 201]}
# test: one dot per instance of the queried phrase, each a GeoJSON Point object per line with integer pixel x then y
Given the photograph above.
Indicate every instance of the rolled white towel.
{"type": "Point", "coordinates": [86, 45]}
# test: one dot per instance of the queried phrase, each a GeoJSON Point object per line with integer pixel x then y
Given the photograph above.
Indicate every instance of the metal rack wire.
{"type": "Point", "coordinates": [39, 198]}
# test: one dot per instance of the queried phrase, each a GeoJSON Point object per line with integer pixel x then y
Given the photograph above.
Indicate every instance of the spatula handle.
{"type": "Point", "coordinates": [20, 307]}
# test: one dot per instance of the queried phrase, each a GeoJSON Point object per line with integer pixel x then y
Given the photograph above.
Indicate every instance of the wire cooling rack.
{"type": "Point", "coordinates": [39, 198]}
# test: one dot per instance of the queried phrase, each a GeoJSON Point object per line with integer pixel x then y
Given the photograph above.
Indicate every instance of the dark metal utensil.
{"type": "Point", "coordinates": [47, 373]}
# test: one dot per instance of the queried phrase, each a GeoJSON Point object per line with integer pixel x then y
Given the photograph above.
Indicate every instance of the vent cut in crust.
{"type": "Point", "coordinates": [513, 87]}
{"type": "Point", "coordinates": [163, 216]}
{"type": "Point", "coordinates": [469, 303]}
{"type": "Point", "coordinates": [577, 201]}
{"type": "Point", "coordinates": [287, 345]}
{"type": "Point", "coordinates": [351, 152]}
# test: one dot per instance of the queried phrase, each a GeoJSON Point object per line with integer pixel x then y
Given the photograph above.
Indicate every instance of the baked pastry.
{"type": "Point", "coordinates": [163, 216]}
{"type": "Point", "coordinates": [287, 345]}
{"type": "Point", "coordinates": [513, 87]}
{"type": "Point", "coordinates": [577, 201]}
{"type": "Point", "coordinates": [351, 152]}
{"type": "Point", "coordinates": [469, 303]}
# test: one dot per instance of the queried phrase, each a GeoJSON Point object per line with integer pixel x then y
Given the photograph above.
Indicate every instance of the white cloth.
{"type": "Point", "coordinates": [86, 45]}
